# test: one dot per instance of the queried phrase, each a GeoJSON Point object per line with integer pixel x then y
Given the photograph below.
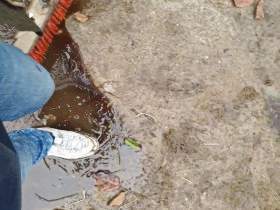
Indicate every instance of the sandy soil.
{"type": "Point", "coordinates": [196, 82]}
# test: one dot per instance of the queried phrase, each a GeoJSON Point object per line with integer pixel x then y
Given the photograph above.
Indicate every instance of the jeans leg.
{"type": "Point", "coordinates": [31, 145]}
{"type": "Point", "coordinates": [25, 86]}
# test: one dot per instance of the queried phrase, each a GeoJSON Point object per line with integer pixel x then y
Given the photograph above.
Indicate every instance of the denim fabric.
{"type": "Point", "coordinates": [31, 145]}
{"type": "Point", "coordinates": [25, 87]}
{"type": "Point", "coordinates": [10, 179]}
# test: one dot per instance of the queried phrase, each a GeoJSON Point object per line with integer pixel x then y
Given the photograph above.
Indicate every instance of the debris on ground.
{"type": "Point", "coordinates": [50, 118]}
{"type": "Point", "coordinates": [133, 143]}
{"type": "Point", "coordinates": [55, 199]}
{"type": "Point", "coordinates": [81, 199]}
{"type": "Point", "coordinates": [259, 10]}
{"type": "Point", "coordinates": [7, 33]}
{"type": "Point", "coordinates": [243, 3]}
{"type": "Point", "coordinates": [117, 200]}
{"type": "Point", "coordinates": [268, 82]}
{"type": "Point", "coordinates": [81, 17]}
{"type": "Point", "coordinates": [248, 93]}
{"type": "Point", "coordinates": [107, 182]}
{"type": "Point", "coordinates": [108, 88]}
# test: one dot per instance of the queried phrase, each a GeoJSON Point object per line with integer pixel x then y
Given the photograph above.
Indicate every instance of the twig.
{"type": "Point", "coordinates": [211, 144]}
{"type": "Point", "coordinates": [103, 144]}
{"type": "Point", "coordinates": [147, 115]}
{"type": "Point", "coordinates": [119, 156]}
{"type": "Point", "coordinates": [80, 200]}
{"type": "Point", "coordinates": [85, 172]}
{"type": "Point", "coordinates": [189, 181]}
{"type": "Point", "coordinates": [46, 163]}
{"type": "Point", "coordinates": [55, 199]}
{"type": "Point", "coordinates": [114, 172]}
{"type": "Point", "coordinates": [64, 169]}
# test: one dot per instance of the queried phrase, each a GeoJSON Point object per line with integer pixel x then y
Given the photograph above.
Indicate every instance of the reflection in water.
{"type": "Point", "coordinates": [77, 104]}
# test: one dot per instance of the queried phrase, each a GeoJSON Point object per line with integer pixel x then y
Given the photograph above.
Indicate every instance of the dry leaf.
{"type": "Point", "coordinates": [107, 182]}
{"type": "Point", "coordinates": [117, 200]}
{"type": "Point", "coordinates": [259, 10]}
{"type": "Point", "coordinates": [81, 17]}
{"type": "Point", "coordinates": [243, 3]}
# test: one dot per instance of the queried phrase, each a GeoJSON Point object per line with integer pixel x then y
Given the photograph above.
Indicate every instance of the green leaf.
{"type": "Point", "coordinates": [133, 144]}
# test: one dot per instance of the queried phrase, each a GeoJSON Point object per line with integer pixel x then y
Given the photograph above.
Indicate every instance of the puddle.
{"type": "Point", "coordinates": [78, 105]}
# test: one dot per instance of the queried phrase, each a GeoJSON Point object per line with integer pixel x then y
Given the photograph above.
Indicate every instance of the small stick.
{"type": "Point", "coordinates": [189, 181]}
{"type": "Point", "coordinates": [211, 144]}
{"type": "Point", "coordinates": [80, 200]}
{"type": "Point", "coordinates": [46, 163]}
{"type": "Point", "coordinates": [64, 169]}
{"type": "Point", "coordinates": [55, 199]}
{"type": "Point", "coordinates": [147, 115]}
{"type": "Point", "coordinates": [119, 156]}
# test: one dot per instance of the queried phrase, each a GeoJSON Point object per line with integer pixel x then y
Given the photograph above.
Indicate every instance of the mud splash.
{"type": "Point", "coordinates": [76, 104]}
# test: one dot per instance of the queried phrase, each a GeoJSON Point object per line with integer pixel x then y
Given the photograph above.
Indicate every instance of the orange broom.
{"type": "Point", "coordinates": [51, 29]}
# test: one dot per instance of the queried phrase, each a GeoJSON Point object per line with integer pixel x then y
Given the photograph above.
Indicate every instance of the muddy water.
{"type": "Point", "coordinates": [78, 105]}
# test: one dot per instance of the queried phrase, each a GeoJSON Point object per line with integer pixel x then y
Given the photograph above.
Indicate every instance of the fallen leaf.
{"type": "Point", "coordinates": [81, 17]}
{"type": "Point", "coordinates": [132, 143]}
{"type": "Point", "coordinates": [259, 10]}
{"type": "Point", "coordinates": [117, 200]}
{"type": "Point", "coordinates": [107, 182]}
{"type": "Point", "coordinates": [243, 3]}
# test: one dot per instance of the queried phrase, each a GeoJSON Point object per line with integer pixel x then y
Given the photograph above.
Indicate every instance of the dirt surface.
{"type": "Point", "coordinates": [196, 82]}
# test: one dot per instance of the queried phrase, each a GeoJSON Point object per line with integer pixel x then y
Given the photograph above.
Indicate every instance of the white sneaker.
{"type": "Point", "coordinates": [71, 145]}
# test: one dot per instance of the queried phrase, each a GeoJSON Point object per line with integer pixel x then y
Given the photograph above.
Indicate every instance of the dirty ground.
{"type": "Point", "coordinates": [196, 83]}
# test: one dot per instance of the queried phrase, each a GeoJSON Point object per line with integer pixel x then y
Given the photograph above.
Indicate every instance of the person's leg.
{"type": "Point", "coordinates": [31, 145]}
{"type": "Point", "coordinates": [25, 87]}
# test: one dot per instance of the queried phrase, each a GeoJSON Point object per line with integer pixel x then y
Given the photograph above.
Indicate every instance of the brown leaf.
{"type": "Point", "coordinates": [81, 17]}
{"type": "Point", "coordinates": [259, 10]}
{"type": "Point", "coordinates": [117, 200]}
{"type": "Point", "coordinates": [243, 3]}
{"type": "Point", "coordinates": [107, 182]}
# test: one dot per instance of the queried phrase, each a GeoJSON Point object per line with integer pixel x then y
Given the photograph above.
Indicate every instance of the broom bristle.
{"type": "Point", "coordinates": [51, 29]}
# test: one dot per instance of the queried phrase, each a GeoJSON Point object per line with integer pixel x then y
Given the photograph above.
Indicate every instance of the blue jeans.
{"type": "Point", "coordinates": [25, 87]}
